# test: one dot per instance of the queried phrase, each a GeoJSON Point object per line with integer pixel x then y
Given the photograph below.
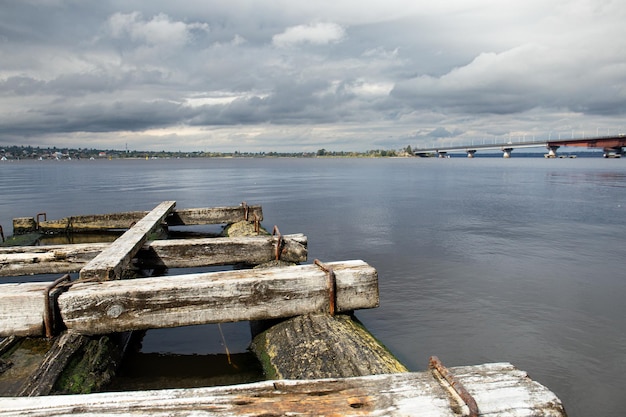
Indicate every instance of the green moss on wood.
{"type": "Point", "coordinates": [28, 239]}
{"type": "Point", "coordinates": [243, 228]}
{"type": "Point", "coordinates": [91, 368]}
{"type": "Point", "coordinates": [322, 346]}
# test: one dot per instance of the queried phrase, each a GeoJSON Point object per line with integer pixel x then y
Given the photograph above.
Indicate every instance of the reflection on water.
{"type": "Point", "coordinates": [483, 260]}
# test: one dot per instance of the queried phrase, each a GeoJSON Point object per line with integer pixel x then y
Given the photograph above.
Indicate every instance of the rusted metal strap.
{"type": "Point", "coordinates": [257, 224]}
{"type": "Point", "coordinates": [279, 243]}
{"type": "Point", "coordinates": [331, 283]}
{"type": "Point", "coordinates": [435, 364]}
{"type": "Point", "coordinates": [49, 306]}
{"type": "Point", "coordinates": [45, 217]}
{"type": "Point", "coordinates": [246, 210]}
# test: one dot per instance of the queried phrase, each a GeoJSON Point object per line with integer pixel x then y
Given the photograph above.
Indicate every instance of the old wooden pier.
{"type": "Point", "coordinates": [317, 357]}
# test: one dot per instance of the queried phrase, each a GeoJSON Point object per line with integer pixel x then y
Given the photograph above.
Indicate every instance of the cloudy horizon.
{"type": "Point", "coordinates": [300, 76]}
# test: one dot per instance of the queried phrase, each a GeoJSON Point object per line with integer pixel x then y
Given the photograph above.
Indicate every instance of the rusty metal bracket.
{"type": "Point", "coordinates": [257, 224]}
{"type": "Point", "coordinates": [45, 218]}
{"type": "Point", "coordinates": [2, 233]}
{"type": "Point", "coordinates": [246, 210]}
{"type": "Point", "coordinates": [331, 284]}
{"type": "Point", "coordinates": [436, 366]}
{"type": "Point", "coordinates": [49, 305]}
{"type": "Point", "coordinates": [279, 243]}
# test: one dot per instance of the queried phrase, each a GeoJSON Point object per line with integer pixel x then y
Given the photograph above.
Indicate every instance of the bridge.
{"type": "Point", "coordinates": [613, 146]}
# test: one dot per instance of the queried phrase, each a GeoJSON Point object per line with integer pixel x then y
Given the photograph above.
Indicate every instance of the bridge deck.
{"type": "Point", "coordinates": [595, 142]}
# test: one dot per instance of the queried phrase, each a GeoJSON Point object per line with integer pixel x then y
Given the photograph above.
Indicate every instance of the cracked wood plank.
{"type": "Point", "coordinates": [227, 296]}
{"type": "Point", "coordinates": [499, 389]}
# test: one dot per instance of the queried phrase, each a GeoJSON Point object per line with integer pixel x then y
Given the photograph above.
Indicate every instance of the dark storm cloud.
{"type": "Point", "coordinates": [301, 74]}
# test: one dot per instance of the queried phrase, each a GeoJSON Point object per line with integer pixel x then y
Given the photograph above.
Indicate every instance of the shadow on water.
{"type": "Point", "coordinates": [144, 371]}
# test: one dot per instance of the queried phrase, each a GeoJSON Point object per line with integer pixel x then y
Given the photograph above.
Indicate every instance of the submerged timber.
{"type": "Point", "coordinates": [318, 358]}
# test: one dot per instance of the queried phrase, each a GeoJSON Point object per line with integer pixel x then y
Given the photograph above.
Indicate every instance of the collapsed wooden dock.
{"type": "Point", "coordinates": [317, 356]}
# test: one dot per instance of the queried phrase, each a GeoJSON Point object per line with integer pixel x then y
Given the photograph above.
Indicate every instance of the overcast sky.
{"type": "Point", "coordinates": [286, 75]}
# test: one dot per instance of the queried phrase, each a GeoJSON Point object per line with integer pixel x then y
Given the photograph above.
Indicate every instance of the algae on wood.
{"type": "Point", "coordinates": [322, 346]}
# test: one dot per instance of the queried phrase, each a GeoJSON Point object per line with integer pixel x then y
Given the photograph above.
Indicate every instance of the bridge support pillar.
{"type": "Point", "coordinates": [506, 152]}
{"type": "Point", "coordinates": [616, 152]}
{"type": "Point", "coordinates": [470, 153]}
{"type": "Point", "coordinates": [551, 151]}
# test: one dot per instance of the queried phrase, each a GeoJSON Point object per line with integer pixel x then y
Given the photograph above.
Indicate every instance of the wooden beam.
{"type": "Point", "coordinates": [171, 301]}
{"type": "Point", "coordinates": [110, 263]}
{"type": "Point", "coordinates": [252, 250]}
{"type": "Point", "coordinates": [124, 220]}
{"type": "Point", "coordinates": [228, 296]}
{"type": "Point", "coordinates": [214, 215]}
{"type": "Point", "coordinates": [183, 253]}
{"type": "Point", "coordinates": [499, 389]}
{"type": "Point", "coordinates": [22, 309]}
{"type": "Point", "coordinates": [51, 259]}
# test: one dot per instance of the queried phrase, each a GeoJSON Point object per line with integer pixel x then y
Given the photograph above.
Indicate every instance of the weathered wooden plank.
{"type": "Point", "coordinates": [115, 306]}
{"type": "Point", "coordinates": [252, 250]}
{"type": "Point", "coordinates": [110, 263]}
{"type": "Point", "coordinates": [319, 345]}
{"type": "Point", "coordinates": [125, 220]}
{"type": "Point", "coordinates": [22, 308]}
{"type": "Point", "coordinates": [43, 379]}
{"type": "Point", "coordinates": [28, 260]}
{"type": "Point", "coordinates": [499, 389]}
{"type": "Point", "coordinates": [214, 215]}
{"type": "Point", "coordinates": [183, 253]}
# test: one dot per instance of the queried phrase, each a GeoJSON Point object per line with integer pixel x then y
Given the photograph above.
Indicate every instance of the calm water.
{"type": "Point", "coordinates": [483, 260]}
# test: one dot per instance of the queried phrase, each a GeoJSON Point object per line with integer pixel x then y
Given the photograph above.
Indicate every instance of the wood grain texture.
{"type": "Point", "coordinates": [22, 308]}
{"type": "Point", "coordinates": [176, 253]}
{"type": "Point", "coordinates": [228, 296]}
{"type": "Point", "coordinates": [110, 263]}
{"type": "Point", "coordinates": [319, 345]}
{"type": "Point", "coordinates": [500, 389]}
{"type": "Point", "coordinates": [125, 220]}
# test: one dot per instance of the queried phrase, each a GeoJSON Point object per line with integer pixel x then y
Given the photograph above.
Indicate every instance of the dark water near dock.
{"type": "Point", "coordinates": [484, 260]}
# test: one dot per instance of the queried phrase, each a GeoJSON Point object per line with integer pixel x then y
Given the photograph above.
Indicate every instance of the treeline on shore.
{"type": "Point", "coordinates": [30, 152]}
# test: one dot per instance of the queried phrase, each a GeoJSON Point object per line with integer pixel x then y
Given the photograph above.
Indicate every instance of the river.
{"type": "Point", "coordinates": [479, 260]}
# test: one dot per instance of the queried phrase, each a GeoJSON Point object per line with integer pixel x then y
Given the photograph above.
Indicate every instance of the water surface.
{"type": "Point", "coordinates": [483, 260]}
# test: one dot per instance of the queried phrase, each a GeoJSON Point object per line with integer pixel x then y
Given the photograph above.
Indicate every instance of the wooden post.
{"type": "Point", "coordinates": [110, 263]}
{"type": "Point", "coordinates": [23, 225]}
{"type": "Point", "coordinates": [322, 346]}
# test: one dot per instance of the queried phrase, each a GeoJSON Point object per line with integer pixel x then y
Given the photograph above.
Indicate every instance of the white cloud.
{"type": "Point", "coordinates": [329, 72]}
{"type": "Point", "coordinates": [160, 29]}
{"type": "Point", "coordinates": [315, 33]}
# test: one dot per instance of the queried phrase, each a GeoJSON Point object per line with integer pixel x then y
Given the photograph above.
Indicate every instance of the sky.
{"type": "Point", "coordinates": [291, 75]}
